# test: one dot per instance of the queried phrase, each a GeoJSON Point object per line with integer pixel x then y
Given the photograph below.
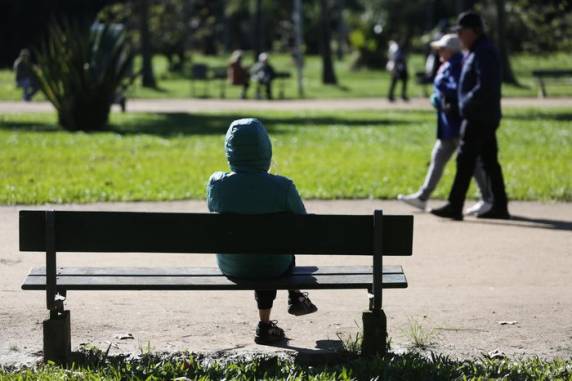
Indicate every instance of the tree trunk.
{"type": "Point", "coordinates": [148, 77]}
{"type": "Point", "coordinates": [507, 73]}
{"type": "Point", "coordinates": [258, 35]}
{"type": "Point", "coordinates": [328, 73]}
{"type": "Point", "coordinates": [464, 5]}
{"type": "Point", "coordinates": [297, 18]}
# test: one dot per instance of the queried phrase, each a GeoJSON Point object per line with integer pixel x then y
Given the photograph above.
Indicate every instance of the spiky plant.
{"type": "Point", "coordinates": [80, 70]}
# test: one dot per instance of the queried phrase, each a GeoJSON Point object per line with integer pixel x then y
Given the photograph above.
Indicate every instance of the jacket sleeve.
{"type": "Point", "coordinates": [294, 202]}
{"type": "Point", "coordinates": [487, 71]}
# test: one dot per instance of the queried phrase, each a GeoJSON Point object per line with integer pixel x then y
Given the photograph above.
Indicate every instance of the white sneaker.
{"type": "Point", "coordinates": [479, 208]}
{"type": "Point", "coordinates": [413, 200]}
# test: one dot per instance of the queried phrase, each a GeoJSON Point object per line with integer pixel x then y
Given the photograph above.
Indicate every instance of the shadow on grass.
{"type": "Point", "coordinates": [176, 124]}
{"type": "Point", "coordinates": [545, 115]}
{"type": "Point", "coordinates": [186, 124]}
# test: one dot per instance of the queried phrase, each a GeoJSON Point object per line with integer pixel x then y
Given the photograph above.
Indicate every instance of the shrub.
{"type": "Point", "coordinates": [81, 69]}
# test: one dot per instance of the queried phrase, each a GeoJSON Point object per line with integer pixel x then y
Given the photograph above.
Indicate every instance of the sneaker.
{"type": "Point", "coordinates": [495, 214]}
{"type": "Point", "coordinates": [479, 208]}
{"type": "Point", "coordinates": [269, 333]}
{"type": "Point", "coordinates": [447, 211]}
{"type": "Point", "coordinates": [299, 304]}
{"type": "Point", "coordinates": [413, 200]}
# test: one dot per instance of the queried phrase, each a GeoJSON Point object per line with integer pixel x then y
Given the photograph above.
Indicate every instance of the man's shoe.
{"type": "Point", "coordinates": [495, 214]}
{"type": "Point", "coordinates": [447, 211]}
{"type": "Point", "coordinates": [413, 200]}
{"type": "Point", "coordinates": [269, 333]}
{"type": "Point", "coordinates": [479, 208]}
{"type": "Point", "coordinates": [299, 304]}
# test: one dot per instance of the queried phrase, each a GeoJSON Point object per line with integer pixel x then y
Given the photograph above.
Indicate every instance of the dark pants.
{"type": "Point", "coordinates": [265, 298]}
{"type": "Point", "coordinates": [479, 140]}
{"type": "Point", "coordinates": [267, 85]}
{"type": "Point", "coordinates": [394, 80]}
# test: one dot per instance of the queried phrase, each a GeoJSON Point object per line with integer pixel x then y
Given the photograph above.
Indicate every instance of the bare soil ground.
{"type": "Point", "coordinates": [464, 278]}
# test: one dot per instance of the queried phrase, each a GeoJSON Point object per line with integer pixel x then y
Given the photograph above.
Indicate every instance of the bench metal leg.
{"type": "Point", "coordinates": [374, 340]}
{"type": "Point", "coordinates": [57, 338]}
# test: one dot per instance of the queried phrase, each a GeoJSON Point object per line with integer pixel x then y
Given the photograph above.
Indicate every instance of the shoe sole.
{"type": "Point", "coordinates": [303, 312]}
{"type": "Point", "coordinates": [423, 208]}
{"type": "Point", "coordinates": [455, 218]}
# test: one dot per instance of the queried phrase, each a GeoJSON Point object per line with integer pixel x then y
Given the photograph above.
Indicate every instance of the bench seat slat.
{"type": "Point", "coordinates": [202, 271]}
{"type": "Point", "coordinates": [302, 281]}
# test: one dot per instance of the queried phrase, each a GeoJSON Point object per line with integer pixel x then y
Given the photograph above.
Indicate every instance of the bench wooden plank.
{"type": "Point", "coordinates": [213, 282]}
{"type": "Point", "coordinates": [202, 271]}
{"type": "Point", "coordinates": [215, 233]}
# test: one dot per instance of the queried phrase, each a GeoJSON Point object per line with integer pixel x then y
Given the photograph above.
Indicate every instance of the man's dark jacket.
{"type": "Point", "coordinates": [480, 86]}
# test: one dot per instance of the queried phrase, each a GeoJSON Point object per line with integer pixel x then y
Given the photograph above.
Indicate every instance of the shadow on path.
{"type": "Point", "coordinates": [528, 222]}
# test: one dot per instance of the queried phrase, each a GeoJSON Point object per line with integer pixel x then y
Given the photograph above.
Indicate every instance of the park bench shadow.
{"type": "Point", "coordinates": [528, 222]}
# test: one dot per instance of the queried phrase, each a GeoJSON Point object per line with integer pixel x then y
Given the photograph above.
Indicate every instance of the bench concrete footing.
{"type": "Point", "coordinates": [374, 333]}
{"type": "Point", "coordinates": [57, 339]}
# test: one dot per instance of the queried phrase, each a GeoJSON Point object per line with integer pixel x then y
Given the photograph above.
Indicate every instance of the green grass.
{"type": "Point", "coordinates": [353, 84]}
{"type": "Point", "coordinates": [411, 366]}
{"type": "Point", "coordinates": [328, 155]}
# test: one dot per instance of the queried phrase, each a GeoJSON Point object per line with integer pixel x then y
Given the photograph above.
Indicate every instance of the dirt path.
{"type": "Point", "coordinates": [464, 279]}
{"type": "Point", "coordinates": [197, 105]}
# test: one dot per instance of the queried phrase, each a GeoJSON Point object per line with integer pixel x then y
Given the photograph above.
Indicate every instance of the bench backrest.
{"type": "Point", "coordinates": [78, 231]}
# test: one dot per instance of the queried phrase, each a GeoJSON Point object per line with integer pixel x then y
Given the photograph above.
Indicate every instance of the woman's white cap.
{"type": "Point", "coordinates": [448, 41]}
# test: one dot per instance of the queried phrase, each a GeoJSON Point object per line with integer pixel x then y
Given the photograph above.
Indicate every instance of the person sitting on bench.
{"type": "Point", "coordinates": [238, 74]}
{"type": "Point", "coordinates": [250, 189]}
{"type": "Point", "coordinates": [263, 74]}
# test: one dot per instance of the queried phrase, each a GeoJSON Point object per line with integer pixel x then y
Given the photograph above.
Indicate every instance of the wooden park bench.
{"type": "Point", "coordinates": [374, 235]}
{"type": "Point", "coordinates": [560, 75]}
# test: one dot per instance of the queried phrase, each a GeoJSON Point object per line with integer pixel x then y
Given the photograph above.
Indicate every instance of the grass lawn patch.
{"type": "Point", "coordinates": [411, 366]}
{"type": "Point", "coordinates": [331, 155]}
{"type": "Point", "coordinates": [352, 83]}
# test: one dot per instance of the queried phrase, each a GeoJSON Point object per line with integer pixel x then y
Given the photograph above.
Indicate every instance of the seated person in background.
{"type": "Point", "coordinates": [263, 73]}
{"type": "Point", "coordinates": [237, 74]}
{"type": "Point", "coordinates": [250, 189]}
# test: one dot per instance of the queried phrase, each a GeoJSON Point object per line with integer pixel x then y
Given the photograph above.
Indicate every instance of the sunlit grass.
{"type": "Point", "coordinates": [332, 155]}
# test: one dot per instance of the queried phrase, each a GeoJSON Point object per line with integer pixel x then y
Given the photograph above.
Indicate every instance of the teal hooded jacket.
{"type": "Point", "coordinates": [250, 189]}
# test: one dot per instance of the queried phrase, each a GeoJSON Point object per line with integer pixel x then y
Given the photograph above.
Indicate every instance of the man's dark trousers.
{"type": "Point", "coordinates": [479, 139]}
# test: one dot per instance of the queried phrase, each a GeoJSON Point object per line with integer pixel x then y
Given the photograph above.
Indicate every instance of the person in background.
{"type": "Point", "coordinates": [480, 108]}
{"type": "Point", "coordinates": [263, 74]}
{"type": "Point", "coordinates": [238, 74]}
{"type": "Point", "coordinates": [397, 67]}
{"type": "Point", "coordinates": [444, 99]}
{"type": "Point", "coordinates": [250, 189]}
{"type": "Point", "coordinates": [24, 75]}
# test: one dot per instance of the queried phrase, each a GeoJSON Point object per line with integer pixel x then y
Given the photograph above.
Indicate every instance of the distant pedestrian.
{"type": "Point", "coordinates": [25, 75]}
{"type": "Point", "coordinates": [263, 74]}
{"type": "Point", "coordinates": [397, 67]}
{"type": "Point", "coordinates": [480, 108]}
{"type": "Point", "coordinates": [445, 101]}
{"type": "Point", "coordinates": [250, 189]}
{"type": "Point", "coordinates": [238, 74]}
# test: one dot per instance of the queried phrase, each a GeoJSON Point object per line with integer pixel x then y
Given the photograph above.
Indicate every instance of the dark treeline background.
{"type": "Point", "coordinates": [177, 27]}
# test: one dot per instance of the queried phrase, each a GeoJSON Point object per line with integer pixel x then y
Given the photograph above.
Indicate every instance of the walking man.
{"type": "Point", "coordinates": [479, 104]}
